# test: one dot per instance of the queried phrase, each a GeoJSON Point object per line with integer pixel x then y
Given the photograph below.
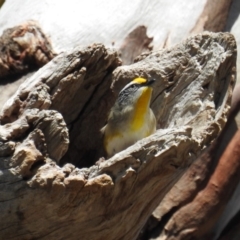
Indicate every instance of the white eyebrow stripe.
{"type": "Point", "coordinates": [131, 83]}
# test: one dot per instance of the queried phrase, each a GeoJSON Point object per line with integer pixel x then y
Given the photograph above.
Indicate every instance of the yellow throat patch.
{"type": "Point", "coordinates": [141, 108]}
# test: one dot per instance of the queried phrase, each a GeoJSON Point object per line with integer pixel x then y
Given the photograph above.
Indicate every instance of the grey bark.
{"type": "Point", "coordinates": [50, 129]}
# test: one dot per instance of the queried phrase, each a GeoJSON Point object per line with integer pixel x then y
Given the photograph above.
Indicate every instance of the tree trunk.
{"type": "Point", "coordinates": [49, 133]}
{"type": "Point", "coordinates": [52, 184]}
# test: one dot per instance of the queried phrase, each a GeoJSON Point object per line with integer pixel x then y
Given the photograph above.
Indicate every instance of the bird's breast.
{"type": "Point", "coordinates": [141, 109]}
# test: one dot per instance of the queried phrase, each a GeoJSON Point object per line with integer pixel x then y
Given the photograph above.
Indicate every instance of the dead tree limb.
{"type": "Point", "coordinates": [45, 193]}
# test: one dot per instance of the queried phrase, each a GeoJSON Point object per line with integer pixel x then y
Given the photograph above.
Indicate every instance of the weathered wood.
{"type": "Point", "coordinates": [194, 205]}
{"type": "Point", "coordinates": [73, 83]}
{"type": "Point", "coordinates": [135, 43]}
{"type": "Point", "coordinates": [191, 100]}
{"type": "Point", "coordinates": [228, 219]}
{"type": "Point", "coordinates": [109, 22]}
{"type": "Point", "coordinates": [23, 48]}
{"type": "Point", "coordinates": [84, 24]}
{"type": "Point", "coordinates": [213, 17]}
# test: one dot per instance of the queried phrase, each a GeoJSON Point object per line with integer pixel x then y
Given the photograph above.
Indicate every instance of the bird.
{"type": "Point", "coordinates": [131, 118]}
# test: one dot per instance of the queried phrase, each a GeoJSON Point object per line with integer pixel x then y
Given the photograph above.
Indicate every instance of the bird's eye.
{"type": "Point", "coordinates": [133, 86]}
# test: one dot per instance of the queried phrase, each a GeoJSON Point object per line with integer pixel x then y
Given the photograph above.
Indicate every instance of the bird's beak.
{"type": "Point", "coordinates": [151, 81]}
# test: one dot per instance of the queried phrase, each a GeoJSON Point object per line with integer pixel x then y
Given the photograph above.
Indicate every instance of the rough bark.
{"type": "Point", "coordinates": [68, 100]}
{"type": "Point", "coordinates": [194, 205]}
{"type": "Point", "coordinates": [85, 24]}
{"type": "Point", "coordinates": [23, 48]}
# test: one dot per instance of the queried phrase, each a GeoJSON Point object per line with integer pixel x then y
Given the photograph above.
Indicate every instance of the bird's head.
{"type": "Point", "coordinates": [136, 89]}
